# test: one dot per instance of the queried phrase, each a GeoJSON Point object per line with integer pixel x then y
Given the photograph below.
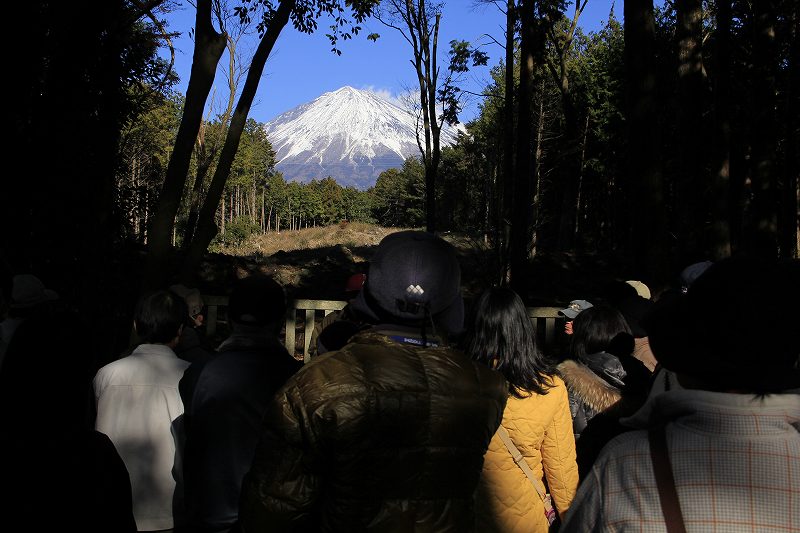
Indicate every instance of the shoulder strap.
{"type": "Point", "coordinates": [520, 460]}
{"type": "Point", "coordinates": [667, 494]}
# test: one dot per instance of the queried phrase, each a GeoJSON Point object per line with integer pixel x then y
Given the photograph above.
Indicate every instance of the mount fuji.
{"type": "Point", "coordinates": [348, 134]}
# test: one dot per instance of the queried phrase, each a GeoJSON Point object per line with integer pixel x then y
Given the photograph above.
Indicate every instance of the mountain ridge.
{"type": "Point", "coordinates": [349, 134]}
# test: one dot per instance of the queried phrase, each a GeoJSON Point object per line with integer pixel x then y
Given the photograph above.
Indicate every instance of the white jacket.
{"type": "Point", "coordinates": [137, 403]}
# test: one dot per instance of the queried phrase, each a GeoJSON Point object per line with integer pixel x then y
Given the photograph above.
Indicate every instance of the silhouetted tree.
{"type": "Point", "coordinates": [208, 49]}
{"type": "Point", "coordinates": [719, 238]}
{"type": "Point", "coordinates": [692, 179]}
{"type": "Point", "coordinates": [644, 175]}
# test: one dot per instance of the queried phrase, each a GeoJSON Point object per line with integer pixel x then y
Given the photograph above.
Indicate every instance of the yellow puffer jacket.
{"type": "Point", "coordinates": [541, 428]}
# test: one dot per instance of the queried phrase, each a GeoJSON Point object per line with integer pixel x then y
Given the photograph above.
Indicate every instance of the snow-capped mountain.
{"type": "Point", "coordinates": [348, 134]}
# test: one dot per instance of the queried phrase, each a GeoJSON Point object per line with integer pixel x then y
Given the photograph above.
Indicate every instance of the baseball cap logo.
{"type": "Point", "coordinates": [414, 290]}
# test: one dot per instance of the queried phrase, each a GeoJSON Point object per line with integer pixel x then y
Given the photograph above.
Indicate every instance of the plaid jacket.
{"type": "Point", "coordinates": [735, 459]}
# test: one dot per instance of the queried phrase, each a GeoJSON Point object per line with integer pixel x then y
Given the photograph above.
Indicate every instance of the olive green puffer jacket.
{"type": "Point", "coordinates": [379, 436]}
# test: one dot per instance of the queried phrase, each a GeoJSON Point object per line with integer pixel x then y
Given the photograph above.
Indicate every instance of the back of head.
{"type": "Point", "coordinates": [192, 297]}
{"type": "Point", "coordinates": [53, 353]}
{"type": "Point", "coordinates": [501, 336]}
{"type": "Point", "coordinates": [414, 277]}
{"type": "Point", "coordinates": [499, 328]}
{"type": "Point", "coordinates": [634, 310]}
{"type": "Point", "coordinates": [594, 329]}
{"type": "Point", "coordinates": [617, 291]}
{"type": "Point", "coordinates": [256, 300]}
{"type": "Point", "coordinates": [28, 295]}
{"type": "Point", "coordinates": [736, 329]}
{"type": "Point", "coordinates": [159, 316]}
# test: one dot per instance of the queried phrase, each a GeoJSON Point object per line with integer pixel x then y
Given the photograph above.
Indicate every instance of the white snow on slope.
{"type": "Point", "coordinates": [349, 134]}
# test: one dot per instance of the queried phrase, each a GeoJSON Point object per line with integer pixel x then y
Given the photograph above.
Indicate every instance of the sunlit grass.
{"type": "Point", "coordinates": [351, 235]}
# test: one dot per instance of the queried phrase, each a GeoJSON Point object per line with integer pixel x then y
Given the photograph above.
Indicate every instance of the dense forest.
{"type": "Point", "coordinates": [670, 138]}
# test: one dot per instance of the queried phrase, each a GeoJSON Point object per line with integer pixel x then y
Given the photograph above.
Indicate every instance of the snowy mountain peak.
{"type": "Point", "coordinates": [352, 135]}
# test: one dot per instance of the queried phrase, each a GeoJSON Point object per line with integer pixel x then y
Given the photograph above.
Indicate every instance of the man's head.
{"type": "Point", "coordinates": [194, 303]}
{"type": "Point", "coordinates": [571, 311]}
{"type": "Point", "coordinates": [634, 310]}
{"type": "Point", "coordinates": [690, 274]}
{"type": "Point", "coordinates": [414, 277]}
{"type": "Point", "coordinates": [257, 301]}
{"type": "Point", "coordinates": [736, 329]}
{"type": "Point", "coordinates": [159, 317]}
{"type": "Point", "coordinates": [29, 293]}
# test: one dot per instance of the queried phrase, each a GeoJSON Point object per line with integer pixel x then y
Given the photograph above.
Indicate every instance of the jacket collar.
{"type": "Point", "coordinates": [590, 388]}
{"type": "Point", "coordinates": [399, 334]}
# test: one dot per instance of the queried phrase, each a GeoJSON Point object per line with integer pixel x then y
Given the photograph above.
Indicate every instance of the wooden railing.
{"type": "Point", "coordinates": [311, 311]}
{"type": "Point", "coordinates": [546, 322]}
{"type": "Point", "coordinates": [302, 315]}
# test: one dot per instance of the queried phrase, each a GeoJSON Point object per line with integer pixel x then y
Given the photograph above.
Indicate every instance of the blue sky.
{"type": "Point", "coordinates": [302, 67]}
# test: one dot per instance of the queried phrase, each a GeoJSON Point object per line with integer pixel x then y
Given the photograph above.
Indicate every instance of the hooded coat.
{"type": "Point", "coordinates": [540, 426]}
{"type": "Point", "coordinates": [601, 391]}
{"type": "Point", "coordinates": [387, 434]}
{"type": "Point", "coordinates": [593, 387]}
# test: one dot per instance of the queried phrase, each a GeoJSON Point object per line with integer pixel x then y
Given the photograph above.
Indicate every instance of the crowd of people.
{"type": "Point", "coordinates": [676, 411]}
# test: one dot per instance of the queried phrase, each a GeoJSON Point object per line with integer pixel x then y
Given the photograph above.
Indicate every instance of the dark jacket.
{"type": "Point", "coordinates": [594, 386]}
{"type": "Point", "coordinates": [383, 435]}
{"type": "Point", "coordinates": [229, 398]}
{"type": "Point", "coordinates": [602, 389]}
{"type": "Point", "coordinates": [192, 346]}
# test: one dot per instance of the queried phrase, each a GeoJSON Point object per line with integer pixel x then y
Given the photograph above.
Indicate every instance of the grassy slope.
{"type": "Point", "coordinates": [316, 262]}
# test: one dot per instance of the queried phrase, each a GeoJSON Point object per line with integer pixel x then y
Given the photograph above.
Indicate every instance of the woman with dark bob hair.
{"type": "Point", "coordinates": [536, 417]}
{"type": "Point", "coordinates": [601, 374]}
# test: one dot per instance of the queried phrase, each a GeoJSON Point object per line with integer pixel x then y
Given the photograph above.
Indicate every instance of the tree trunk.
{"type": "Point", "coordinates": [569, 162]}
{"type": "Point", "coordinates": [522, 180]}
{"type": "Point", "coordinates": [205, 154]}
{"type": "Point", "coordinates": [763, 230]}
{"type": "Point", "coordinates": [432, 128]}
{"type": "Point", "coordinates": [208, 49]}
{"type": "Point", "coordinates": [203, 160]}
{"type": "Point", "coordinates": [222, 217]}
{"type": "Point", "coordinates": [790, 193]}
{"type": "Point", "coordinates": [648, 244]}
{"type": "Point", "coordinates": [581, 168]}
{"type": "Point", "coordinates": [692, 184]}
{"type": "Point", "coordinates": [206, 229]}
{"type": "Point", "coordinates": [507, 175]}
{"type": "Point", "coordinates": [719, 238]}
{"type": "Point", "coordinates": [536, 222]}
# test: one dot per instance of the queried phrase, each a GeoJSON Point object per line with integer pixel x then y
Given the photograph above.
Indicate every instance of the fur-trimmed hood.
{"type": "Point", "coordinates": [587, 386]}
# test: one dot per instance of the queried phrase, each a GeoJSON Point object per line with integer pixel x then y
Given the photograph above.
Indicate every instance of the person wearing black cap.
{"type": "Point", "coordinates": [389, 432]}
{"type": "Point", "coordinates": [727, 442]}
{"type": "Point", "coordinates": [571, 311]}
{"type": "Point", "coordinates": [225, 398]}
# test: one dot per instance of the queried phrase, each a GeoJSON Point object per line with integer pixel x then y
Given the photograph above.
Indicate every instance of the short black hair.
{"type": "Point", "coordinates": [594, 329]}
{"type": "Point", "coordinates": [158, 316]}
{"type": "Point", "coordinates": [257, 300]}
